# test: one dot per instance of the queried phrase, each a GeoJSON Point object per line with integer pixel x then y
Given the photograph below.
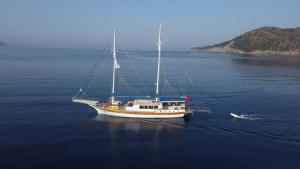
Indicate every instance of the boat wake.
{"type": "Point", "coordinates": [198, 109]}
{"type": "Point", "coordinates": [202, 111]}
{"type": "Point", "coordinates": [246, 116]}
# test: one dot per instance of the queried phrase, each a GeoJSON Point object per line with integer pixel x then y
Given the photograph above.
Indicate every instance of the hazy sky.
{"type": "Point", "coordinates": [89, 23]}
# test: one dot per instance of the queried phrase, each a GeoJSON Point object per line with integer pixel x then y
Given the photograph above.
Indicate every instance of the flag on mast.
{"type": "Point", "coordinates": [117, 65]}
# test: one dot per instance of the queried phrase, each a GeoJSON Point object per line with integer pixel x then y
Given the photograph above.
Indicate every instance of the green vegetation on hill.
{"type": "Point", "coordinates": [262, 40]}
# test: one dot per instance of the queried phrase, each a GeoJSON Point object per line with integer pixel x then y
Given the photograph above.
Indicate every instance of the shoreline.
{"type": "Point", "coordinates": [254, 53]}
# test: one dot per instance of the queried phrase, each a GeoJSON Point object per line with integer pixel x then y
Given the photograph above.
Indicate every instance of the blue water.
{"type": "Point", "coordinates": [41, 128]}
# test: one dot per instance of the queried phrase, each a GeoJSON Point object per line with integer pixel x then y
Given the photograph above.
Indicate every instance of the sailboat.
{"type": "Point", "coordinates": [140, 107]}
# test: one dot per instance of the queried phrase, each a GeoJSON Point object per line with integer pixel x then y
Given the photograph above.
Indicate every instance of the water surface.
{"type": "Point", "coordinates": [41, 128]}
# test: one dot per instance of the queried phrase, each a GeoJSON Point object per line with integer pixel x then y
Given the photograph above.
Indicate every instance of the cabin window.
{"type": "Point", "coordinates": [130, 104]}
{"type": "Point", "coordinates": [142, 107]}
{"type": "Point", "coordinates": [150, 107]}
{"type": "Point", "coordinates": [146, 107]}
{"type": "Point", "coordinates": [155, 107]}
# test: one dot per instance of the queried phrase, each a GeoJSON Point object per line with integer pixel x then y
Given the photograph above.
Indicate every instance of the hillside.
{"type": "Point", "coordinates": [261, 41]}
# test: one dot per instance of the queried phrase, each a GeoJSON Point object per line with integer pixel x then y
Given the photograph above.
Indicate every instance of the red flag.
{"type": "Point", "coordinates": [187, 98]}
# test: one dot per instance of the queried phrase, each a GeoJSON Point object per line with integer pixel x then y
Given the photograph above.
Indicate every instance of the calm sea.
{"type": "Point", "coordinates": [41, 128]}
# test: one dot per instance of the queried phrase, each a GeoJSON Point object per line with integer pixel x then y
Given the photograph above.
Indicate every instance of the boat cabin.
{"type": "Point", "coordinates": [155, 106]}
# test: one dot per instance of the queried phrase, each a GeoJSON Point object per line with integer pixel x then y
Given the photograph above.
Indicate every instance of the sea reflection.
{"type": "Point", "coordinates": [139, 137]}
{"type": "Point", "coordinates": [131, 124]}
{"type": "Point", "coordinates": [284, 61]}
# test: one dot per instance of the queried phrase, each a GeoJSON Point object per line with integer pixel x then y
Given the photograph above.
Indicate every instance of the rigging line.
{"type": "Point", "coordinates": [77, 93]}
{"type": "Point", "coordinates": [101, 67]}
{"type": "Point", "coordinates": [88, 76]}
{"type": "Point", "coordinates": [165, 86]}
{"type": "Point", "coordinates": [96, 75]}
{"type": "Point", "coordinates": [180, 79]}
{"type": "Point", "coordinates": [172, 82]}
{"type": "Point", "coordinates": [177, 80]}
{"type": "Point", "coordinates": [164, 77]}
{"type": "Point", "coordinates": [164, 90]}
{"type": "Point", "coordinates": [86, 81]}
{"type": "Point", "coordinates": [130, 87]}
{"type": "Point", "coordinates": [127, 85]}
{"type": "Point", "coordinates": [166, 80]}
{"type": "Point", "coordinates": [178, 75]}
{"type": "Point", "coordinates": [134, 68]}
{"type": "Point", "coordinates": [181, 82]}
{"type": "Point", "coordinates": [189, 78]}
{"type": "Point", "coordinates": [120, 78]}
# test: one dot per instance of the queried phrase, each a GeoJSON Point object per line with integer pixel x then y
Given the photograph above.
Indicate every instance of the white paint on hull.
{"type": "Point", "coordinates": [93, 104]}
{"type": "Point", "coordinates": [84, 101]}
{"type": "Point", "coordinates": [101, 111]}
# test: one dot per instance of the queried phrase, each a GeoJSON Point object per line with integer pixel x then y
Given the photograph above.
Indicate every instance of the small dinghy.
{"type": "Point", "coordinates": [235, 115]}
{"type": "Point", "coordinates": [246, 116]}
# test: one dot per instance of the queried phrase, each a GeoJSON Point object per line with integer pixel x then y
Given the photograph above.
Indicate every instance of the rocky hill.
{"type": "Point", "coordinates": [261, 41]}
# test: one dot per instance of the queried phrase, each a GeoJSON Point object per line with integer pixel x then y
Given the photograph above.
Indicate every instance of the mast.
{"type": "Point", "coordinates": [114, 66]}
{"type": "Point", "coordinates": [158, 62]}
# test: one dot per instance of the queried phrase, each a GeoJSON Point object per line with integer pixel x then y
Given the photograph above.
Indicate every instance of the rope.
{"type": "Point", "coordinates": [134, 68]}
{"type": "Point", "coordinates": [89, 75]}
{"type": "Point", "coordinates": [189, 78]}
{"type": "Point", "coordinates": [96, 75]}
{"type": "Point", "coordinates": [125, 83]}
{"type": "Point", "coordinates": [86, 83]}
{"type": "Point", "coordinates": [175, 71]}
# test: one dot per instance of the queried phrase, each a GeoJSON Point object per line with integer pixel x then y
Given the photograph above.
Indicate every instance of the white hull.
{"type": "Point", "coordinates": [110, 113]}
{"type": "Point", "coordinates": [131, 115]}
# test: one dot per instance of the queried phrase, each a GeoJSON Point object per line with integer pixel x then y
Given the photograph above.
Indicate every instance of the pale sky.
{"type": "Point", "coordinates": [90, 23]}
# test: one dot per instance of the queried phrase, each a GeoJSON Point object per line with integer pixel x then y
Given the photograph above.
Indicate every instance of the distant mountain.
{"type": "Point", "coordinates": [3, 44]}
{"type": "Point", "coordinates": [261, 41]}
